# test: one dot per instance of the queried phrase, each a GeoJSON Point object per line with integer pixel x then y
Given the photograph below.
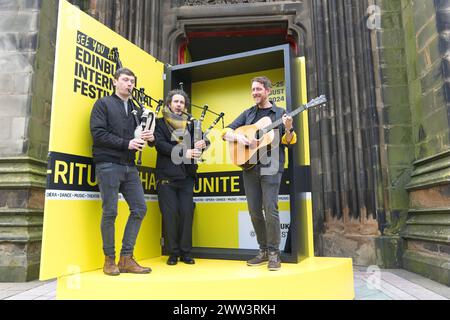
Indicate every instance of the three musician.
{"type": "Point", "coordinates": [112, 128]}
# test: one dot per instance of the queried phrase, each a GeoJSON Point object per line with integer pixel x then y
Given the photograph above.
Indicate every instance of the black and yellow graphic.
{"type": "Point", "coordinates": [278, 94]}
{"type": "Point", "coordinates": [84, 68]}
{"type": "Point", "coordinates": [74, 173]}
{"type": "Point", "coordinates": [93, 68]}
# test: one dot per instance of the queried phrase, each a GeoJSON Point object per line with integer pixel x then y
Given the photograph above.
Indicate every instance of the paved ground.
{"type": "Point", "coordinates": [370, 284]}
{"type": "Point", "coordinates": [35, 290]}
{"type": "Point", "coordinates": [376, 284]}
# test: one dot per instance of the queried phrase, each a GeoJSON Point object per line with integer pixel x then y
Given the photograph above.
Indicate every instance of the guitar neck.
{"type": "Point", "coordinates": [280, 121]}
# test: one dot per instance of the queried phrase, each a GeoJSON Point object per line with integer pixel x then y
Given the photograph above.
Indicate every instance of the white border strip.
{"type": "Point", "coordinates": [95, 196]}
{"type": "Point", "coordinates": [85, 196]}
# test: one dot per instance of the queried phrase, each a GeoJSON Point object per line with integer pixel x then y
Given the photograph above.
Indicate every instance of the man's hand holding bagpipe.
{"type": "Point", "coordinates": [148, 136]}
{"type": "Point", "coordinates": [200, 145]}
{"type": "Point", "coordinates": [193, 154]}
{"type": "Point", "coordinates": [136, 144]}
{"type": "Point", "coordinates": [139, 143]}
{"type": "Point", "coordinates": [197, 152]}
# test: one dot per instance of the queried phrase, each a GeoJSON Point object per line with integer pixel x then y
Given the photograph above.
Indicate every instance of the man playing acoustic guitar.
{"type": "Point", "coordinates": [261, 181]}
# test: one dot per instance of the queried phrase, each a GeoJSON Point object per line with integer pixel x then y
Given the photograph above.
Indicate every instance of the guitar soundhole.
{"type": "Point", "coordinates": [259, 134]}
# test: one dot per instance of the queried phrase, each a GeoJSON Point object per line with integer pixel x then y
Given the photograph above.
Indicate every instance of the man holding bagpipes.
{"type": "Point", "coordinates": [113, 125]}
{"type": "Point", "coordinates": [176, 170]}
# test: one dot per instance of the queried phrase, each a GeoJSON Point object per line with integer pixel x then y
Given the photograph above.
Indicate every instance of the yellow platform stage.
{"type": "Point", "coordinates": [312, 279]}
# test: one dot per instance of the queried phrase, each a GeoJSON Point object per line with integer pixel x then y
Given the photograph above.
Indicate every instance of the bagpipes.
{"type": "Point", "coordinates": [148, 120]}
{"type": "Point", "coordinates": [148, 117]}
{"type": "Point", "coordinates": [198, 123]}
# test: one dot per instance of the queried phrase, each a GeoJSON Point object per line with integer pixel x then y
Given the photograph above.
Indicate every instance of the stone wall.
{"type": "Point", "coordinates": [18, 44]}
{"type": "Point", "coordinates": [416, 128]}
{"type": "Point", "coordinates": [427, 229]}
{"type": "Point", "coordinates": [27, 39]}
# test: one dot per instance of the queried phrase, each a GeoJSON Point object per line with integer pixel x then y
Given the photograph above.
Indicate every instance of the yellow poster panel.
{"type": "Point", "coordinates": [84, 68]}
{"type": "Point", "coordinates": [231, 95]}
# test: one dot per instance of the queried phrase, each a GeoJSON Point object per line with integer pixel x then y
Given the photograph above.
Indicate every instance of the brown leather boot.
{"type": "Point", "coordinates": [127, 264]}
{"type": "Point", "coordinates": [110, 268]}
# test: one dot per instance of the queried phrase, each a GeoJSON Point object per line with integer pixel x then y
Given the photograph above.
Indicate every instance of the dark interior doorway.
{"type": "Point", "coordinates": [208, 42]}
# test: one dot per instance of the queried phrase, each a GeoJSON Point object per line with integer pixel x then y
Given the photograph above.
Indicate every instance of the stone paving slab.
{"type": "Point", "coordinates": [422, 282]}
{"type": "Point", "coordinates": [396, 285]}
{"type": "Point", "coordinates": [35, 290]}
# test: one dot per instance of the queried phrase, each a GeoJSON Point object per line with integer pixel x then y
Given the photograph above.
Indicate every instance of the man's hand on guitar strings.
{"type": "Point", "coordinates": [242, 139]}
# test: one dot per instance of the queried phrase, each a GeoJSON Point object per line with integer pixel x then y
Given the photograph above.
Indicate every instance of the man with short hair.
{"type": "Point", "coordinates": [114, 148]}
{"type": "Point", "coordinates": [262, 182]}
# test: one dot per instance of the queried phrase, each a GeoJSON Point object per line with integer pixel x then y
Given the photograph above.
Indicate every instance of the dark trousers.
{"type": "Point", "coordinates": [262, 198]}
{"type": "Point", "coordinates": [114, 178]}
{"type": "Point", "coordinates": [176, 203]}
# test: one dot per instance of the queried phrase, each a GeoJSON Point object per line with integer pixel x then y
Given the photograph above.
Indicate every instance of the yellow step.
{"type": "Point", "coordinates": [313, 278]}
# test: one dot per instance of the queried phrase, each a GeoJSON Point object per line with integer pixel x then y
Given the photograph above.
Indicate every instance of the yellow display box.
{"type": "Point", "coordinates": [222, 234]}
{"type": "Point", "coordinates": [224, 83]}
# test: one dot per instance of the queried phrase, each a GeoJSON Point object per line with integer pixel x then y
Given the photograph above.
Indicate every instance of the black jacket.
{"type": "Point", "coordinates": [112, 130]}
{"type": "Point", "coordinates": [166, 169]}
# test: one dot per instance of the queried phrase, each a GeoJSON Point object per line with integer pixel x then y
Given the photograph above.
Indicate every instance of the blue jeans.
{"type": "Point", "coordinates": [114, 178]}
{"type": "Point", "coordinates": [262, 193]}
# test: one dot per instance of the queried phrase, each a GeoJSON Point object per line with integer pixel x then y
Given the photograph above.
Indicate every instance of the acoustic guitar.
{"type": "Point", "coordinates": [247, 157]}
